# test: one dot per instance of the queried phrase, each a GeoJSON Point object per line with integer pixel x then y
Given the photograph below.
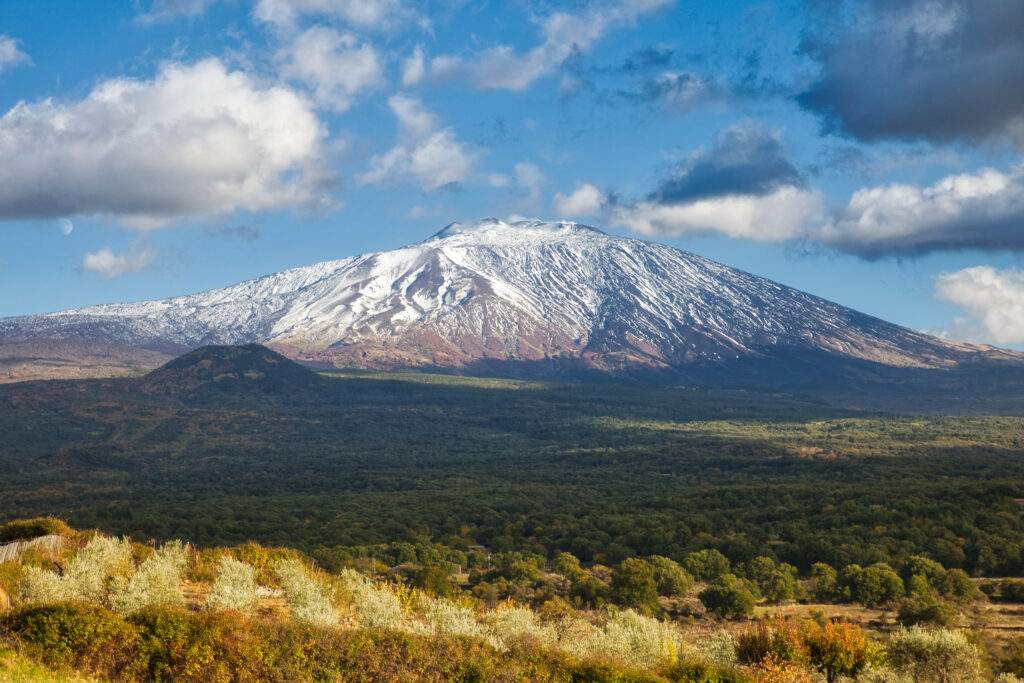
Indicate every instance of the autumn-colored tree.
{"type": "Point", "coordinates": [837, 649]}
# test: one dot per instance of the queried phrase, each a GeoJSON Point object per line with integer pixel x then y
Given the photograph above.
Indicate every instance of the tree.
{"type": "Point", "coordinates": [838, 649]}
{"type": "Point", "coordinates": [707, 564]}
{"type": "Point", "coordinates": [568, 565]}
{"type": "Point", "coordinates": [872, 586]}
{"type": "Point", "coordinates": [957, 584]}
{"type": "Point", "coordinates": [728, 598]}
{"type": "Point", "coordinates": [671, 578]}
{"type": "Point", "coordinates": [434, 581]}
{"type": "Point", "coordinates": [942, 656]}
{"type": "Point", "coordinates": [825, 581]}
{"type": "Point", "coordinates": [777, 582]}
{"type": "Point", "coordinates": [633, 585]}
{"type": "Point", "coordinates": [589, 590]}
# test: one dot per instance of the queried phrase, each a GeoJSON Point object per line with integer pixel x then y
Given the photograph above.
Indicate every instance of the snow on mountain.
{"type": "Point", "coordinates": [515, 293]}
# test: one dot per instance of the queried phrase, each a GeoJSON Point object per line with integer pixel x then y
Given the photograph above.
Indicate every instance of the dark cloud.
{"type": "Point", "coordinates": [744, 160]}
{"type": "Point", "coordinates": [940, 70]}
{"type": "Point", "coordinates": [653, 57]}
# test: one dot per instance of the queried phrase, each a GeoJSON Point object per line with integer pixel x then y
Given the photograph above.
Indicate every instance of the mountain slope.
{"type": "Point", "coordinates": [528, 296]}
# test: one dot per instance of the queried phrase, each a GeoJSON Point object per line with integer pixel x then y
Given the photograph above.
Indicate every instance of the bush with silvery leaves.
{"type": "Point", "coordinates": [155, 584]}
{"type": "Point", "coordinates": [235, 587]}
{"type": "Point", "coordinates": [310, 600]}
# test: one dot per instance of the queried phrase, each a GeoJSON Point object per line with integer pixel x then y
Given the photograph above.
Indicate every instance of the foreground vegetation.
{"type": "Point", "coordinates": [109, 608]}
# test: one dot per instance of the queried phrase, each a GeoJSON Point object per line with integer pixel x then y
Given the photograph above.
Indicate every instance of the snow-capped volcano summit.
{"type": "Point", "coordinates": [530, 294]}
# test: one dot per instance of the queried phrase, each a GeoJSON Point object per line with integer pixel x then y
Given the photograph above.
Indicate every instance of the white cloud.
{"type": "Point", "coordinates": [994, 298]}
{"type": "Point", "coordinates": [586, 201]}
{"type": "Point", "coordinates": [529, 177]}
{"type": "Point", "coordinates": [787, 213]}
{"type": "Point", "coordinates": [195, 141]}
{"type": "Point", "coordinates": [109, 265]}
{"type": "Point", "coordinates": [984, 210]}
{"type": "Point", "coordinates": [502, 67]}
{"type": "Point", "coordinates": [413, 68]}
{"type": "Point", "coordinates": [10, 53]}
{"type": "Point", "coordinates": [334, 65]}
{"type": "Point", "coordinates": [166, 9]}
{"type": "Point", "coordinates": [425, 152]}
{"type": "Point", "coordinates": [375, 14]}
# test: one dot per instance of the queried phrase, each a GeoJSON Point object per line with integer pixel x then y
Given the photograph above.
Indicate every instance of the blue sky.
{"type": "Point", "coordinates": [867, 151]}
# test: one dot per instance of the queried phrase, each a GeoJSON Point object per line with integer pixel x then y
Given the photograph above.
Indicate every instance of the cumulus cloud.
{"type": "Point", "coordinates": [10, 53]}
{"type": "Point", "coordinates": [195, 141]}
{"type": "Point", "coordinates": [983, 210]}
{"type": "Point", "coordinates": [993, 298]}
{"type": "Point", "coordinates": [562, 34]}
{"type": "Point", "coordinates": [109, 265]}
{"type": "Point", "coordinates": [922, 69]}
{"type": "Point", "coordinates": [372, 14]}
{"type": "Point", "coordinates": [336, 66]}
{"type": "Point", "coordinates": [785, 214]}
{"type": "Point", "coordinates": [425, 151]}
{"type": "Point", "coordinates": [743, 186]}
{"type": "Point", "coordinates": [586, 201]}
{"type": "Point", "coordinates": [745, 160]}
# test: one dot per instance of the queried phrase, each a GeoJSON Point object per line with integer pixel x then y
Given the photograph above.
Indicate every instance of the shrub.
{"type": "Point", "coordinates": [510, 625]}
{"type": "Point", "coordinates": [1013, 659]}
{"type": "Point", "coordinates": [719, 648]}
{"type": "Point", "coordinates": [309, 600]}
{"type": "Point", "coordinates": [39, 585]}
{"type": "Point", "coordinates": [690, 672]}
{"type": "Point", "coordinates": [175, 645]}
{"type": "Point", "coordinates": [155, 584]}
{"type": "Point", "coordinates": [235, 587]}
{"type": "Point", "coordinates": [942, 655]}
{"type": "Point", "coordinates": [375, 606]}
{"type": "Point", "coordinates": [94, 566]}
{"type": "Point", "coordinates": [778, 642]}
{"type": "Point", "coordinates": [23, 529]}
{"type": "Point", "coordinates": [446, 617]}
{"type": "Point", "coordinates": [632, 638]}
{"type": "Point", "coordinates": [264, 560]}
{"type": "Point", "coordinates": [927, 610]}
{"type": "Point", "coordinates": [1011, 590]}
{"type": "Point", "coordinates": [74, 634]}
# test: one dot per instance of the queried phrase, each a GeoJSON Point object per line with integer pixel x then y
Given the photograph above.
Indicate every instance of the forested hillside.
{"type": "Point", "coordinates": [605, 471]}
